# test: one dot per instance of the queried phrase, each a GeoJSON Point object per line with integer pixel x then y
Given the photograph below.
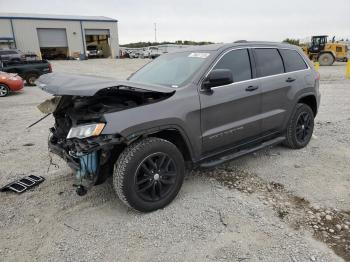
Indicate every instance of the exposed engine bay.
{"type": "Point", "coordinates": [76, 110]}
{"type": "Point", "coordinates": [91, 157]}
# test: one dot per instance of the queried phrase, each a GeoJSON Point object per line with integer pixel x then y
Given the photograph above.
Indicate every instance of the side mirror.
{"type": "Point", "coordinates": [218, 77]}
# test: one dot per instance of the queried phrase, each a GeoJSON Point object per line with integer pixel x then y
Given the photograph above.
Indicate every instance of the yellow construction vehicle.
{"type": "Point", "coordinates": [326, 53]}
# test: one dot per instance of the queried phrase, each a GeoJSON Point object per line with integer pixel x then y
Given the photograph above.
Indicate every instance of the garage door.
{"type": "Point", "coordinates": [52, 37]}
{"type": "Point", "coordinates": [96, 31]}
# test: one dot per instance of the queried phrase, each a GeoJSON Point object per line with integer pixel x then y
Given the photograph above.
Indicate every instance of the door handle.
{"type": "Point", "coordinates": [289, 80]}
{"type": "Point", "coordinates": [251, 88]}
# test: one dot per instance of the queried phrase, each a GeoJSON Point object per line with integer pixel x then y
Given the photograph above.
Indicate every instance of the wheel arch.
{"type": "Point", "coordinates": [311, 101]}
{"type": "Point", "coordinates": [3, 84]}
{"type": "Point", "coordinates": [32, 72]}
{"type": "Point", "coordinates": [176, 137]}
{"type": "Point", "coordinates": [327, 52]}
{"type": "Point", "coordinates": [171, 133]}
{"type": "Point", "coordinates": [6, 86]}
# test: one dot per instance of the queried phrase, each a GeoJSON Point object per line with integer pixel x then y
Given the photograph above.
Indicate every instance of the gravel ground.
{"type": "Point", "coordinates": [273, 205]}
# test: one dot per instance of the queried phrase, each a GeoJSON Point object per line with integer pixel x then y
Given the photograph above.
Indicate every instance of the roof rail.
{"type": "Point", "coordinates": [241, 41]}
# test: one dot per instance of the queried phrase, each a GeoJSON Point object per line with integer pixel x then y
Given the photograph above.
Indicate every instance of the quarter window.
{"type": "Point", "coordinates": [292, 60]}
{"type": "Point", "coordinates": [269, 62]}
{"type": "Point", "coordinates": [238, 62]}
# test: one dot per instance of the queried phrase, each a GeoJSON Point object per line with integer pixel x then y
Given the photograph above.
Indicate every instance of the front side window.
{"type": "Point", "coordinates": [172, 69]}
{"type": "Point", "coordinates": [238, 62]}
{"type": "Point", "coordinates": [292, 60]}
{"type": "Point", "coordinates": [269, 62]}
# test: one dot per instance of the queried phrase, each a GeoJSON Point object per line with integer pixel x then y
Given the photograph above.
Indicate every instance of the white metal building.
{"type": "Point", "coordinates": [61, 34]}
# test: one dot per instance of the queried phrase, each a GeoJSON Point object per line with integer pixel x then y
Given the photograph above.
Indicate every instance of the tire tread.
{"type": "Point", "coordinates": [123, 161]}
{"type": "Point", "coordinates": [290, 141]}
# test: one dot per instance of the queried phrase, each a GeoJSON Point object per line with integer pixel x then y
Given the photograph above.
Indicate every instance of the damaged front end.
{"type": "Point", "coordinates": [77, 135]}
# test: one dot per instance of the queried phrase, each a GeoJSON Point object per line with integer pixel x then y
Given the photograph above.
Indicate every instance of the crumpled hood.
{"type": "Point", "coordinates": [86, 85]}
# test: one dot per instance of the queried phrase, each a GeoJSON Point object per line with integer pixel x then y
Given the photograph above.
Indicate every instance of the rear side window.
{"type": "Point", "coordinates": [238, 62]}
{"type": "Point", "coordinates": [292, 60]}
{"type": "Point", "coordinates": [7, 52]}
{"type": "Point", "coordinates": [269, 62]}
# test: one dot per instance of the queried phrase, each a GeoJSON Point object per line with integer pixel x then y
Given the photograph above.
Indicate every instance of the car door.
{"type": "Point", "coordinates": [275, 87]}
{"type": "Point", "coordinates": [230, 113]}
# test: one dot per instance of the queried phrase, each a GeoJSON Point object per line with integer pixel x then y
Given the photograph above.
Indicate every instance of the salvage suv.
{"type": "Point", "coordinates": [195, 108]}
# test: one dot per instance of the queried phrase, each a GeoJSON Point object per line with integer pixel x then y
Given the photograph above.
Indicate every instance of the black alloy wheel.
{"type": "Point", "coordinates": [155, 177]}
{"type": "Point", "coordinates": [148, 174]}
{"type": "Point", "coordinates": [303, 127]}
{"type": "Point", "coordinates": [300, 127]}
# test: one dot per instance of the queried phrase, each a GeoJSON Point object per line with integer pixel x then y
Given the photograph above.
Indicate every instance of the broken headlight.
{"type": "Point", "coordinates": [86, 131]}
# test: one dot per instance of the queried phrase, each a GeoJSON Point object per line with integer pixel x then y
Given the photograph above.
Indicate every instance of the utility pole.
{"type": "Point", "coordinates": [155, 32]}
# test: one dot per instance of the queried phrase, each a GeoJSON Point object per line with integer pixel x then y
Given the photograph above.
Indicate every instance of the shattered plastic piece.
{"type": "Point", "coordinates": [21, 185]}
{"type": "Point", "coordinates": [49, 105]}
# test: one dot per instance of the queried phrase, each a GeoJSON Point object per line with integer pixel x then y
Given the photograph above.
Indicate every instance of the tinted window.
{"type": "Point", "coordinates": [7, 52]}
{"type": "Point", "coordinates": [269, 62]}
{"type": "Point", "coordinates": [292, 60]}
{"type": "Point", "coordinates": [238, 62]}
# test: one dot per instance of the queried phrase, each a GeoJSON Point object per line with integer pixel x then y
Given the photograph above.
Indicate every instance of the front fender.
{"type": "Point", "coordinates": [180, 112]}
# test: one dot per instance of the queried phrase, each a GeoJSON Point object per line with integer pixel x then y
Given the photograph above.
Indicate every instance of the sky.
{"type": "Point", "coordinates": [215, 20]}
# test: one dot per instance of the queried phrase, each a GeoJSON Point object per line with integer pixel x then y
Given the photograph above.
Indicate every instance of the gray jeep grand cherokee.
{"type": "Point", "coordinates": [195, 108]}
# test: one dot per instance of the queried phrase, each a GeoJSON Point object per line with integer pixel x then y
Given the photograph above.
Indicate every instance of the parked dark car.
{"type": "Point", "coordinates": [12, 55]}
{"type": "Point", "coordinates": [28, 70]}
{"type": "Point", "coordinates": [200, 107]}
{"type": "Point", "coordinates": [94, 51]}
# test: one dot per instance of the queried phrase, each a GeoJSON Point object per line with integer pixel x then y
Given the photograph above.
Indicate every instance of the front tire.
{"type": "Point", "coordinates": [149, 174]}
{"type": "Point", "coordinates": [4, 90]}
{"type": "Point", "coordinates": [300, 127]}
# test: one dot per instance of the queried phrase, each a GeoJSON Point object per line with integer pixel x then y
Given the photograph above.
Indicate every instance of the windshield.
{"type": "Point", "coordinates": [92, 47]}
{"type": "Point", "coordinates": [171, 69]}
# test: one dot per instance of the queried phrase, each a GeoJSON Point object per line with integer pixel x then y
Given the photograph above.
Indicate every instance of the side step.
{"type": "Point", "coordinates": [243, 152]}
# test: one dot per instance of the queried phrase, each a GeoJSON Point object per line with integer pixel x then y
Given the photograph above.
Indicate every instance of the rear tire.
{"type": "Point", "coordinates": [149, 174]}
{"type": "Point", "coordinates": [4, 90]}
{"type": "Point", "coordinates": [300, 127]}
{"type": "Point", "coordinates": [31, 78]}
{"type": "Point", "coordinates": [326, 59]}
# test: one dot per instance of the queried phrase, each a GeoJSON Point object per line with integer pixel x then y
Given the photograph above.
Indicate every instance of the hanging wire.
{"type": "Point", "coordinates": [51, 163]}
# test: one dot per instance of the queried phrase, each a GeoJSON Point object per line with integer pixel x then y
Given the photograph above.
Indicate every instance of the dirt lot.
{"type": "Point", "coordinates": [274, 205]}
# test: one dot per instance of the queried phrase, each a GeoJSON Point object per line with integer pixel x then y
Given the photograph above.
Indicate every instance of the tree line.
{"type": "Point", "coordinates": [178, 42]}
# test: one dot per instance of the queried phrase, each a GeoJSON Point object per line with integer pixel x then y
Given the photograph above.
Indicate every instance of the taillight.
{"type": "Point", "coordinates": [50, 68]}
